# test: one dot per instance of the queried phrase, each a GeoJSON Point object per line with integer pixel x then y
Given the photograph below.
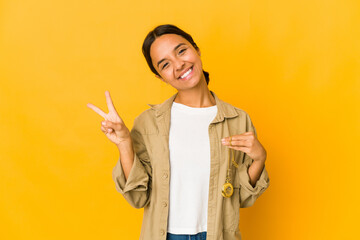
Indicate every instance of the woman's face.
{"type": "Point", "coordinates": [177, 61]}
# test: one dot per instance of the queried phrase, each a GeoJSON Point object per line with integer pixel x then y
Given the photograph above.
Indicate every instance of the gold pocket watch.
{"type": "Point", "coordinates": [228, 189]}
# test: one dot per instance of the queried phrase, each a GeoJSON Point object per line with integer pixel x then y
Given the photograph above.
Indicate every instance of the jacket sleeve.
{"type": "Point", "coordinates": [137, 188]}
{"type": "Point", "coordinates": [248, 193]}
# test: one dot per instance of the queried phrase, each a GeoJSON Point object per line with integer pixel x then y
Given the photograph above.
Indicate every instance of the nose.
{"type": "Point", "coordinates": [179, 64]}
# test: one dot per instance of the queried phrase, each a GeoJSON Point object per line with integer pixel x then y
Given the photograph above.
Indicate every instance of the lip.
{"type": "Point", "coordinates": [182, 73]}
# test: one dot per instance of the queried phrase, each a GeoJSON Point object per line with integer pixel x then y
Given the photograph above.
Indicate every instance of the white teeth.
{"type": "Point", "coordinates": [187, 73]}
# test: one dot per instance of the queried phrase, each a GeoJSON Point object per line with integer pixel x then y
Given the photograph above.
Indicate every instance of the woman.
{"type": "Point", "coordinates": [176, 161]}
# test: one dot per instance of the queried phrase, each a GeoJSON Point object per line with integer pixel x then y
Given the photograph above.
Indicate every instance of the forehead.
{"type": "Point", "coordinates": [164, 45]}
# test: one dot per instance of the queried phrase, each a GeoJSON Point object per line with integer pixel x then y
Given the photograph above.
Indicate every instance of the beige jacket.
{"type": "Point", "coordinates": [148, 183]}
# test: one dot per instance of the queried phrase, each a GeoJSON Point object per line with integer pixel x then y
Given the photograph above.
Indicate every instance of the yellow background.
{"type": "Point", "coordinates": [294, 66]}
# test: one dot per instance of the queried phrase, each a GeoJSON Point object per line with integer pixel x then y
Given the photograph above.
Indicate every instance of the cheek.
{"type": "Point", "coordinates": [167, 73]}
{"type": "Point", "coordinates": [197, 59]}
{"type": "Point", "coordinates": [199, 64]}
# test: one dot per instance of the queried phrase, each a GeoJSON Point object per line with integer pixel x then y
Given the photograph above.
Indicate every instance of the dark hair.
{"type": "Point", "coordinates": [161, 30]}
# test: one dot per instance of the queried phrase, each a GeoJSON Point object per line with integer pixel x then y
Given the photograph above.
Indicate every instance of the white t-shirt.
{"type": "Point", "coordinates": [189, 147]}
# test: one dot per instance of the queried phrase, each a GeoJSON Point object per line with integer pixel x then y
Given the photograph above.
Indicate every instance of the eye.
{"type": "Point", "coordinates": [181, 51]}
{"type": "Point", "coordinates": [164, 66]}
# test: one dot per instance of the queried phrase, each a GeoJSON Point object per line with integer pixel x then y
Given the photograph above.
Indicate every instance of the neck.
{"type": "Point", "coordinates": [196, 97]}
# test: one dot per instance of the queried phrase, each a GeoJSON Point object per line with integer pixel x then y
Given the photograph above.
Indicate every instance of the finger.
{"type": "Point", "coordinates": [109, 124]}
{"type": "Point", "coordinates": [238, 143]}
{"type": "Point", "coordinates": [248, 133]}
{"type": "Point", "coordinates": [233, 138]}
{"type": "Point", "coordinates": [243, 149]}
{"type": "Point", "coordinates": [106, 130]}
{"type": "Point", "coordinates": [109, 102]}
{"type": "Point", "coordinates": [236, 137]}
{"type": "Point", "coordinates": [97, 110]}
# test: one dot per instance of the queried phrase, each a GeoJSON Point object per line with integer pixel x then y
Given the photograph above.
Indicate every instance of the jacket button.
{"type": "Point", "coordinates": [164, 204]}
{"type": "Point", "coordinates": [165, 176]}
{"type": "Point", "coordinates": [162, 232]}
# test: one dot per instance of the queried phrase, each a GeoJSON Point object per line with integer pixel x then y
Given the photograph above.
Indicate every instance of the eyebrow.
{"type": "Point", "coordinates": [180, 44]}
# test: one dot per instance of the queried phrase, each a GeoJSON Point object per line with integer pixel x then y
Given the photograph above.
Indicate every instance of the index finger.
{"type": "Point", "coordinates": [109, 102]}
{"type": "Point", "coordinates": [97, 110]}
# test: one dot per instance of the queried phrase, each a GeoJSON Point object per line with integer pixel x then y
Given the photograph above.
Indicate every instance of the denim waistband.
{"type": "Point", "coordinates": [198, 236]}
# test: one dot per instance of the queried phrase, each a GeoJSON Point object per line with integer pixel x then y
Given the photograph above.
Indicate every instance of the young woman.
{"type": "Point", "coordinates": [192, 161]}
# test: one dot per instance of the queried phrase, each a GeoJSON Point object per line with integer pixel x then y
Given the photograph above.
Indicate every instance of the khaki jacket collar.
{"type": "Point", "coordinates": [224, 110]}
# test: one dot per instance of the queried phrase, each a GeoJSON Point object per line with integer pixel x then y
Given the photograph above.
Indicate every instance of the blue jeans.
{"type": "Point", "coordinates": [198, 236]}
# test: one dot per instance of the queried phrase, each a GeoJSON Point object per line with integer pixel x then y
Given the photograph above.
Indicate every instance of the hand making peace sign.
{"type": "Point", "coordinates": [113, 126]}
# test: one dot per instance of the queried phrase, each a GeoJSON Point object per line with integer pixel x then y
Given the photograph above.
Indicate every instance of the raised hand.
{"type": "Point", "coordinates": [113, 126]}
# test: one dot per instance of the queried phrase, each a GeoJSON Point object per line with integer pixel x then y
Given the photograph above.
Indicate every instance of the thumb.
{"type": "Point", "coordinates": [109, 124]}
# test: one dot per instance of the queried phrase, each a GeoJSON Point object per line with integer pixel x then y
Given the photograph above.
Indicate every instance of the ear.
{"type": "Point", "coordinates": [198, 50]}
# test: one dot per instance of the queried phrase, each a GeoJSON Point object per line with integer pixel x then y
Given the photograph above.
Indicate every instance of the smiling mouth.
{"type": "Point", "coordinates": [187, 73]}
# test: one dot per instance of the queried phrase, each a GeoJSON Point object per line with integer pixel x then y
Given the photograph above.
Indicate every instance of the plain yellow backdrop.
{"type": "Point", "coordinates": [294, 66]}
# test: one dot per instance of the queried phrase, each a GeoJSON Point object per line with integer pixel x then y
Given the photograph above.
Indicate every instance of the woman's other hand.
{"type": "Point", "coordinates": [248, 143]}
